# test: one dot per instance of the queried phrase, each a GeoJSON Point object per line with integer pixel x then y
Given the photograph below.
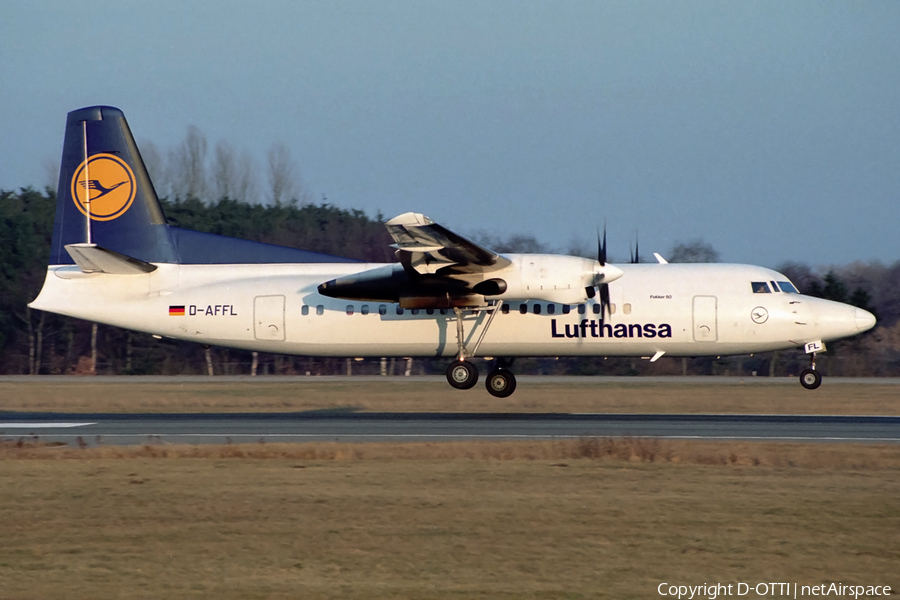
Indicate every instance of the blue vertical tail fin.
{"type": "Point", "coordinates": [105, 196]}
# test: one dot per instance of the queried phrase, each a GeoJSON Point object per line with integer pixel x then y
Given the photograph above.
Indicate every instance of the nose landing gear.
{"type": "Point", "coordinates": [810, 378]}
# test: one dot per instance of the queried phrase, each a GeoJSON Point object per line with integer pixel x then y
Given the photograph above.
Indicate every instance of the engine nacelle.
{"type": "Point", "coordinates": [545, 277]}
{"type": "Point", "coordinates": [552, 277]}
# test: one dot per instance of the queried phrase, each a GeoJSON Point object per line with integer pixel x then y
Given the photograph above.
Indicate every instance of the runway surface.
{"type": "Point", "coordinates": [348, 426]}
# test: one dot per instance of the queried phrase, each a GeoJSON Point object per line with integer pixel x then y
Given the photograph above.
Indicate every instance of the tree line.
{"type": "Point", "coordinates": [36, 342]}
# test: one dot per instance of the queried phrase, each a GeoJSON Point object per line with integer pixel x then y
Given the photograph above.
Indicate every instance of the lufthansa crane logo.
{"type": "Point", "coordinates": [759, 315]}
{"type": "Point", "coordinates": [103, 187]}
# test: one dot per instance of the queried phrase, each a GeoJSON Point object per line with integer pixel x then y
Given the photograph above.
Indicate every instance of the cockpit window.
{"type": "Point", "coordinates": [787, 287]}
{"type": "Point", "coordinates": [761, 287]}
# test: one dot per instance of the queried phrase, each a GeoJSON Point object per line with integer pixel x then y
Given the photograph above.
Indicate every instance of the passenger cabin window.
{"type": "Point", "coordinates": [365, 309]}
{"type": "Point", "coordinates": [320, 310]}
{"type": "Point", "coordinates": [787, 287]}
{"type": "Point", "coordinates": [305, 310]}
{"type": "Point", "coordinates": [596, 309]}
{"type": "Point", "coordinates": [414, 311]}
{"type": "Point", "coordinates": [382, 309]}
{"type": "Point", "coordinates": [505, 309]}
{"type": "Point", "coordinates": [349, 309]}
{"type": "Point", "coordinates": [582, 308]}
{"type": "Point", "coordinates": [537, 309]}
{"type": "Point", "coordinates": [626, 308]}
{"type": "Point", "coordinates": [523, 309]}
{"type": "Point", "coordinates": [761, 287]}
{"type": "Point", "coordinates": [429, 311]}
{"type": "Point", "coordinates": [551, 309]}
{"type": "Point", "coordinates": [566, 309]}
{"type": "Point", "coordinates": [399, 310]}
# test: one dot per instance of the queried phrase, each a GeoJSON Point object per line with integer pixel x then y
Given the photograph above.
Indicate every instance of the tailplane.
{"type": "Point", "coordinates": [105, 197]}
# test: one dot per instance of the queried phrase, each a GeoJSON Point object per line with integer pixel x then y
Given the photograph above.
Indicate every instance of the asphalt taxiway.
{"type": "Point", "coordinates": [349, 426]}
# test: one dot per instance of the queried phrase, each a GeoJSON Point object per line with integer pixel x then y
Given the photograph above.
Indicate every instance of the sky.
{"type": "Point", "coordinates": [769, 129]}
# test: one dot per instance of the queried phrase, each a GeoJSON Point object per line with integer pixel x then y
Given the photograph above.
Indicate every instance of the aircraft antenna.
{"type": "Point", "coordinates": [87, 181]}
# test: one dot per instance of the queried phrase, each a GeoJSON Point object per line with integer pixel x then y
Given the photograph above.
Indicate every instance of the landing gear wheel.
{"type": "Point", "coordinates": [462, 375]}
{"type": "Point", "coordinates": [810, 379]}
{"type": "Point", "coordinates": [500, 383]}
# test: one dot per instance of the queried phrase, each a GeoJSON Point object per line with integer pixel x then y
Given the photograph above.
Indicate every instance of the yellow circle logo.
{"type": "Point", "coordinates": [103, 187]}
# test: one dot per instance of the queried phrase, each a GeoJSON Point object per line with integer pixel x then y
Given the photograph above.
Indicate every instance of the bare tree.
{"type": "Point", "coordinates": [246, 182]}
{"type": "Point", "coordinates": [284, 177]}
{"type": "Point", "coordinates": [694, 251]}
{"type": "Point", "coordinates": [188, 166]}
{"type": "Point", "coordinates": [224, 171]}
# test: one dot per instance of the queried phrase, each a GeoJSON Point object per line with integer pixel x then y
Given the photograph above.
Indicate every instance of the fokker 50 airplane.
{"type": "Point", "coordinates": [115, 260]}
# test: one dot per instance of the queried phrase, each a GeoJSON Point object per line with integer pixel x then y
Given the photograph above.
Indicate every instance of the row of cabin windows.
{"type": "Point", "coordinates": [551, 309]}
{"type": "Point", "coordinates": [566, 309]}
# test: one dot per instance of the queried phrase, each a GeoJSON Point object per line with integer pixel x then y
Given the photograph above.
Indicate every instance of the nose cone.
{"type": "Point", "coordinates": [864, 320]}
{"type": "Point", "coordinates": [606, 273]}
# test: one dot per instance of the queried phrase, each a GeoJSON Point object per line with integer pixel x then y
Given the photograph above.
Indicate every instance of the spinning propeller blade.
{"type": "Point", "coordinates": [603, 288]}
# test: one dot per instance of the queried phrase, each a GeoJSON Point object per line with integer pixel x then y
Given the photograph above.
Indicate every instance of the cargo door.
{"type": "Point", "coordinates": [268, 318]}
{"type": "Point", "coordinates": [705, 329]}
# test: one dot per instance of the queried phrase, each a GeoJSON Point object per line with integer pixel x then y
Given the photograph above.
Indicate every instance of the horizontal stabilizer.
{"type": "Point", "coordinates": [91, 258]}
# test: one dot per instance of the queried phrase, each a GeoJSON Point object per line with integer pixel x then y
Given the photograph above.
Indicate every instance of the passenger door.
{"type": "Point", "coordinates": [268, 318]}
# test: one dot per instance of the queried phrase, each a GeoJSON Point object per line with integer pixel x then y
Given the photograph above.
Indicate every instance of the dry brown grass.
{"type": "Point", "coordinates": [579, 519]}
{"type": "Point", "coordinates": [433, 394]}
{"type": "Point", "coordinates": [689, 452]}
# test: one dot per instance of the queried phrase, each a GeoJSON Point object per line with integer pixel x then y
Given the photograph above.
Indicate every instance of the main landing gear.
{"type": "Point", "coordinates": [501, 382]}
{"type": "Point", "coordinates": [810, 378]}
{"type": "Point", "coordinates": [462, 374]}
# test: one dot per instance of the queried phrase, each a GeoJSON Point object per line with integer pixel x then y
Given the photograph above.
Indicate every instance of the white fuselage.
{"type": "Point", "coordinates": [681, 310]}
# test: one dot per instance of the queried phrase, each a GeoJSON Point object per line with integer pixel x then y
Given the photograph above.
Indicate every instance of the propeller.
{"type": "Point", "coordinates": [602, 286]}
{"type": "Point", "coordinates": [636, 257]}
{"type": "Point", "coordinates": [603, 274]}
{"type": "Point", "coordinates": [601, 248]}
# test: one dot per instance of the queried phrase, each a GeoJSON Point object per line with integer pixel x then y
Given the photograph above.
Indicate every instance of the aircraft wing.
{"type": "Point", "coordinates": [426, 248]}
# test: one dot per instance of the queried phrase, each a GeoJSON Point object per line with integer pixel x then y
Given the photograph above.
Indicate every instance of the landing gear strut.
{"type": "Point", "coordinates": [462, 375]}
{"type": "Point", "coordinates": [810, 378]}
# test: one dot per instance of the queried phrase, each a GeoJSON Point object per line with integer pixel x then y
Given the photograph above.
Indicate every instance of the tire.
{"type": "Point", "coordinates": [462, 375]}
{"type": "Point", "coordinates": [810, 379]}
{"type": "Point", "coordinates": [500, 383]}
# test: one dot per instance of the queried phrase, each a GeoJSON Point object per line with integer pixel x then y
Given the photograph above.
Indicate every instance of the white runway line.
{"type": "Point", "coordinates": [41, 425]}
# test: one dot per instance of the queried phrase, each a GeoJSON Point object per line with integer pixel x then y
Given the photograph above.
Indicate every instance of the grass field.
{"type": "Point", "coordinates": [579, 519]}
{"type": "Point", "coordinates": [200, 394]}
{"type": "Point", "coordinates": [542, 519]}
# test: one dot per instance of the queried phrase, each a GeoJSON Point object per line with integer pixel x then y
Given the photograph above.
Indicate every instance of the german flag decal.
{"type": "Point", "coordinates": [176, 311]}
